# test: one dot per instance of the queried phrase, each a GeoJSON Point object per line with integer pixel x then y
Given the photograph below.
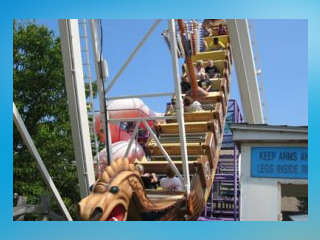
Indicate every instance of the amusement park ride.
{"type": "Point", "coordinates": [189, 142]}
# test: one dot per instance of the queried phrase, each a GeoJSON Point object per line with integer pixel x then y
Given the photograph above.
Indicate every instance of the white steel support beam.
{"type": "Point", "coordinates": [42, 168]}
{"type": "Point", "coordinates": [98, 58]}
{"type": "Point", "coordinates": [89, 78]}
{"type": "Point", "coordinates": [245, 69]}
{"type": "Point", "coordinates": [135, 131]}
{"type": "Point", "coordinates": [179, 105]}
{"type": "Point", "coordinates": [72, 62]}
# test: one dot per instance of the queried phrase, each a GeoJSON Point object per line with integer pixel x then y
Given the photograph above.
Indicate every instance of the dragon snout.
{"type": "Point", "coordinates": [89, 209]}
{"type": "Point", "coordinates": [86, 215]}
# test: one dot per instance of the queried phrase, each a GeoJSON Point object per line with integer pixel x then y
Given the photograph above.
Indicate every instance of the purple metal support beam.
{"type": "Point", "coordinates": [235, 186]}
{"type": "Point", "coordinates": [235, 197]}
{"type": "Point", "coordinates": [211, 207]}
{"type": "Point", "coordinates": [226, 208]}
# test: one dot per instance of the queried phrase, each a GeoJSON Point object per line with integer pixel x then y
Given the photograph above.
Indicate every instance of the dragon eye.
{"type": "Point", "coordinates": [114, 189]}
{"type": "Point", "coordinates": [100, 187]}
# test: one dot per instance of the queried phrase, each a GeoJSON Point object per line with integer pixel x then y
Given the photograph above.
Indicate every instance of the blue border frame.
{"type": "Point", "coordinates": [293, 9]}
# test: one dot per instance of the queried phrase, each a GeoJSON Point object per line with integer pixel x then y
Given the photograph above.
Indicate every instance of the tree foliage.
{"type": "Point", "coordinates": [40, 96]}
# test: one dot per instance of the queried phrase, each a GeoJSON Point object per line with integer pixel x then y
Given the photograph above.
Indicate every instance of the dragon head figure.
{"type": "Point", "coordinates": [111, 194]}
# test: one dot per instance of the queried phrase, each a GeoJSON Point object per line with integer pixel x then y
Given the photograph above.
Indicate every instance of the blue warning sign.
{"type": "Point", "coordinates": [279, 162]}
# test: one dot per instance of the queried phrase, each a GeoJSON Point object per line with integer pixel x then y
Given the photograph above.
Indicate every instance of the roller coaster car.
{"type": "Point", "coordinates": [197, 144]}
{"type": "Point", "coordinates": [191, 127]}
{"type": "Point", "coordinates": [213, 25]}
{"type": "Point", "coordinates": [200, 167]}
{"type": "Point", "coordinates": [213, 55]}
{"type": "Point", "coordinates": [210, 112]}
{"type": "Point", "coordinates": [220, 84]}
{"type": "Point", "coordinates": [119, 195]}
{"type": "Point", "coordinates": [224, 39]}
{"type": "Point", "coordinates": [222, 66]}
{"type": "Point", "coordinates": [213, 98]}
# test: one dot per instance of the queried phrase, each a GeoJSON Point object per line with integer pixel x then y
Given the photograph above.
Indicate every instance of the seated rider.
{"type": "Point", "coordinates": [205, 84]}
{"type": "Point", "coordinates": [171, 182]}
{"type": "Point", "coordinates": [216, 45]}
{"type": "Point", "coordinates": [149, 179]}
{"type": "Point", "coordinates": [222, 29]}
{"type": "Point", "coordinates": [170, 110]}
{"type": "Point", "coordinates": [207, 32]}
{"type": "Point", "coordinates": [199, 70]}
{"type": "Point", "coordinates": [212, 70]}
{"type": "Point", "coordinates": [185, 84]}
{"type": "Point", "coordinates": [191, 105]}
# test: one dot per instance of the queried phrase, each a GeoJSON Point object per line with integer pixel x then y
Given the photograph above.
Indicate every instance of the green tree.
{"type": "Point", "coordinates": [40, 96]}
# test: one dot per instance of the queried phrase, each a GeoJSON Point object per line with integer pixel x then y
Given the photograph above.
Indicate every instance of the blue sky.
{"type": "Point", "coordinates": [283, 48]}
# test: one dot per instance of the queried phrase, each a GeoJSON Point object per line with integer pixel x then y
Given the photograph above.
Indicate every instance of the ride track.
{"type": "Point", "coordinates": [119, 193]}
